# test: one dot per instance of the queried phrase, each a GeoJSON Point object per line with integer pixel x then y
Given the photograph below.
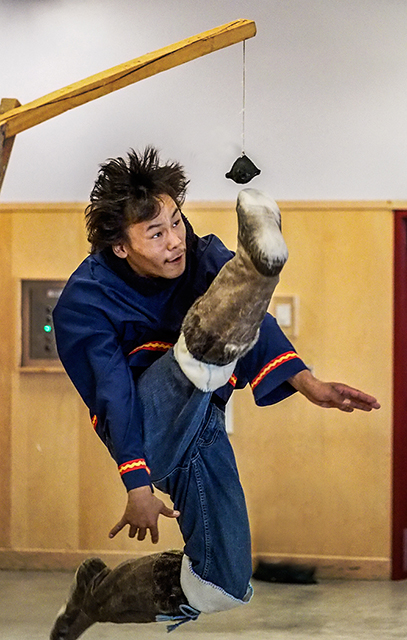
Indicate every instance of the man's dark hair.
{"type": "Point", "coordinates": [127, 192]}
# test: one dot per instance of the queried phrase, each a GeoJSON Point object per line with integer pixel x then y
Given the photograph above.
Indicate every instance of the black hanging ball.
{"type": "Point", "coordinates": [243, 170]}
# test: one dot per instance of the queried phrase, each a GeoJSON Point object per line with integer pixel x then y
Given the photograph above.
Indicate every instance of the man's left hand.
{"type": "Point", "coordinates": [332, 394]}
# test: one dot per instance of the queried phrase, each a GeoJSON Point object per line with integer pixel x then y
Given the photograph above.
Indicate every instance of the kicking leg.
{"type": "Point", "coordinates": [223, 325]}
{"type": "Point", "coordinates": [220, 327]}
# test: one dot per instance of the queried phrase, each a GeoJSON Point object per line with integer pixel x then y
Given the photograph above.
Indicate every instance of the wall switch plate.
{"type": "Point", "coordinates": [285, 310]}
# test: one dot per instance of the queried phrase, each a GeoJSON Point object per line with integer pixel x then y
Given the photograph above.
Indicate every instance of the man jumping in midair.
{"type": "Point", "coordinates": [156, 328]}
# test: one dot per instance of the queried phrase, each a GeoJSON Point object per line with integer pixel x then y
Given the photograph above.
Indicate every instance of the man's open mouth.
{"type": "Point", "coordinates": [176, 260]}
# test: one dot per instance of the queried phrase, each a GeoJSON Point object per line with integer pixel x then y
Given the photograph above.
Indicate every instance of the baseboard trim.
{"type": "Point", "coordinates": [58, 560]}
{"type": "Point", "coordinates": [327, 567]}
{"type": "Point", "coordinates": [337, 567]}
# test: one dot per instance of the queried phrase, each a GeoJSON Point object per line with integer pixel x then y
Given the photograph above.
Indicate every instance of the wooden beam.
{"type": "Point", "coordinates": [6, 144]}
{"type": "Point", "coordinates": [98, 85]}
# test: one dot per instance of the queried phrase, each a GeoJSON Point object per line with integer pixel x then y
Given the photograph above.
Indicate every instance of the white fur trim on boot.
{"type": "Point", "coordinates": [206, 377]}
{"type": "Point", "coordinates": [205, 596]}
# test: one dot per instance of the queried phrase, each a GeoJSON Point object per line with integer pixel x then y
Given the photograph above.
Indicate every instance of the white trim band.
{"type": "Point", "coordinates": [206, 377]}
{"type": "Point", "coordinates": [205, 596]}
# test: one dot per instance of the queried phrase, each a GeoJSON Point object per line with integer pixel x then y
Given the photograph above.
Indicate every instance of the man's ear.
{"type": "Point", "coordinates": [120, 250]}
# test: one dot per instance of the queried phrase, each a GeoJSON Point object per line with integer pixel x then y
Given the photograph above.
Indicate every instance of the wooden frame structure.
{"type": "Point", "coordinates": [15, 118]}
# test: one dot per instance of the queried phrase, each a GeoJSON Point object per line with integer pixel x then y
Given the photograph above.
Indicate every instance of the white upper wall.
{"type": "Point", "coordinates": [326, 104]}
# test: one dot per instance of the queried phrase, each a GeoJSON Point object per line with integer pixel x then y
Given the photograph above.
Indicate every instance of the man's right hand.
{"type": "Point", "coordinates": [142, 512]}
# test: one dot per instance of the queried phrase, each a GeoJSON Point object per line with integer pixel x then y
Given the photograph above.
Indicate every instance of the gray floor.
{"type": "Point", "coordinates": [331, 610]}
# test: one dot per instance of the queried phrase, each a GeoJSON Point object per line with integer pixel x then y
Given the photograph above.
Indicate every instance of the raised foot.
{"type": "Point", "coordinates": [260, 231]}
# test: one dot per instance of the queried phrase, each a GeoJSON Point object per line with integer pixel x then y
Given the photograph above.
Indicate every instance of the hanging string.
{"type": "Point", "coordinates": [244, 99]}
{"type": "Point", "coordinates": [243, 169]}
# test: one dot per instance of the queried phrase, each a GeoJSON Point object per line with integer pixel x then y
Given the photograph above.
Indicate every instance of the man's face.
{"type": "Point", "coordinates": [157, 248]}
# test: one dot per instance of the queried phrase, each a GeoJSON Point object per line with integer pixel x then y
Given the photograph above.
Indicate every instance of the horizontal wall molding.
{"type": "Point", "coordinates": [327, 567]}
{"type": "Point", "coordinates": [202, 205]}
{"type": "Point", "coordinates": [309, 205]}
{"type": "Point", "coordinates": [58, 559]}
{"type": "Point", "coordinates": [42, 207]}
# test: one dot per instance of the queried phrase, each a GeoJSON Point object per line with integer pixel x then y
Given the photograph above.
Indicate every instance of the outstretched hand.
{"type": "Point", "coordinates": [332, 394]}
{"type": "Point", "coordinates": [141, 513]}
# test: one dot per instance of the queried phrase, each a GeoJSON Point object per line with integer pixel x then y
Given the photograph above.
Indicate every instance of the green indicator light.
{"type": "Point", "coordinates": [47, 328]}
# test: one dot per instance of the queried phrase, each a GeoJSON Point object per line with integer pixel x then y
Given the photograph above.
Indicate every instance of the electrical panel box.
{"type": "Point", "coordinates": [38, 299]}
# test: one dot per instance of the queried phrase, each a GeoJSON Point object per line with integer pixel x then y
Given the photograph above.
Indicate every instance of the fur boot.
{"type": "Point", "coordinates": [135, 591]}
{"type": "Point", "coordinates": [223, 325]}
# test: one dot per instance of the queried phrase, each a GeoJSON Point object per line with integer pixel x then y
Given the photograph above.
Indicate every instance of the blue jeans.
{"type": "Point", "coordinates": [191, 460]}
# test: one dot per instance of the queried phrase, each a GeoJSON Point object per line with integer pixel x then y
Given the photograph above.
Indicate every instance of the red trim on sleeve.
{"type": "Point", "coordinates": [153, 346]}
{"type": "Point", "coordinates": [133, 465]}
{"type": "Point", "coordinates": [273, 364]}
{"type": "Point", "coordinates": [233, 380]}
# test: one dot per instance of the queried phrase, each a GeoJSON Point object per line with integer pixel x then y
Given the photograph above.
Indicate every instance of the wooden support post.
{"type": "Point", "coordinates": [53, 104]}
{"type": "Point", "coordinates": [6, 144]}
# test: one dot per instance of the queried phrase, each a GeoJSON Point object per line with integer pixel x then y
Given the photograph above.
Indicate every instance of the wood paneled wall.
{"type": "Point", "coordinates": [7, 322]}
{"type": "Point", "coordinates": [317, 481]}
